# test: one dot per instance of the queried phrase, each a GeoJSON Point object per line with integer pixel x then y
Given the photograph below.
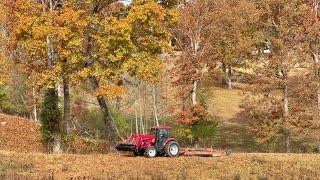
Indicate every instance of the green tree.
{"type": "Point", "coordinates": [50, 118]}
{"type": "Point", "coordinates": [196, 124]}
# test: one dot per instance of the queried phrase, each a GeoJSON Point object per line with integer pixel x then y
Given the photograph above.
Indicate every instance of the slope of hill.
{"type": "Point", "coordinates": [20, 135]}
{"type": "Point", "coordinates": [225, 104]}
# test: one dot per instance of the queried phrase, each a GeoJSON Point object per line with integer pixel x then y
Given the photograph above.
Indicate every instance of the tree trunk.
{"type": "Point", "coordinates": [108, 120]}
{"type": "Point", "coordinates": [34, 105]}
{"type": "Point", "coordinates": [183, 103]}
{"type": "Point", "coordinates": [224, 70]}
{"type": "Point", "coordinates": [166, 100]}
{"type": "Point", "coordinates": [51, 120]}
{"type": "Point", "coordinates": [145, 106]}
{"type": "Point", "coordinates": [194, 92]}
{"type": "Point", "coordinates": [316, 71]}
{"type": "Point", "coordinates": [154, 100]}
{"type": "Point", "coordinates": [140, 110]}
{"type": "Point", "coordinates": [50, 51]}
{"type": "Point", "coordinates": [316, 61]}
{"type": "Point", "coordinates": [50, 61]}
{"type": "Point", "coordinates": [56, 146]}
{"type": "Point", "coordinates": [229, 77]}
{"type": "Point", "coordinates": [196, 43]}
{"type": "Point", "coordinates": [285, 101]}
{"type": "Point", "coordinates": [118, 104]}
{"type": "Point", "coordinates": [285, 115]}
{"type": "Point", "coordinates": [66, 107]}
{"type": "Point", "coordinates": [287, 141]}
{"type": "Point", "coordinates": [318, 96]}
{"type": "Point", "coordinates": [131, 126]}
{"type": "Point", "coordinates": [136, 117]}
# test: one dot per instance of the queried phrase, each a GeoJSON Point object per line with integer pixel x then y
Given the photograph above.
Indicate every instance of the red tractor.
{"type": "Point", "coordinates": [157, 143]}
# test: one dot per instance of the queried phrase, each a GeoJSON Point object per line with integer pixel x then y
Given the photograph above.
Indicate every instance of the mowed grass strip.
{"type": "Point", "coordinates": [111, 166]}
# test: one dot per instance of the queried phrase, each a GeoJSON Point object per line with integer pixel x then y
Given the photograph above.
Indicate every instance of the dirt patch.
{"type": "Point", "coordinates": [20, 135]}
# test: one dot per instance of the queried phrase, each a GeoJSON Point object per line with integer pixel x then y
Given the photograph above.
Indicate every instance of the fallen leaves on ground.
{"type": "Point", "coordinates": [116, 166]}
{"type": "Point", "coordinates": [18, 134]}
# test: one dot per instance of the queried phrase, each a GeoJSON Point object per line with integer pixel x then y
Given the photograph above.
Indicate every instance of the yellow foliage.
{"type": "Point", "coordinates": [145, 67]}
{"type": "Point", "coordinates": [83, 44]}
{"type": "Point", "coordinates": [110, 91]}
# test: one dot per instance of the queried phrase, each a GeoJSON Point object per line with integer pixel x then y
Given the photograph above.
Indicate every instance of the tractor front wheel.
{"type": "Point", "coordinates": [172, 149]}
{"type": "Point", "coordinates": [151, 152]}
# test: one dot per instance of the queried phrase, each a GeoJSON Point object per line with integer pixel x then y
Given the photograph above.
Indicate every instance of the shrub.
{"type": "Point", "coordinates": [195, 124]}
{"type": "Point", "coordinates": [91, 119]}
{"type": "Point", "coordinates": [11, 105]}
{"type": "Point", "coordinates": [121, 123]}
{"type": "Point", "coordinates": [50, 116]}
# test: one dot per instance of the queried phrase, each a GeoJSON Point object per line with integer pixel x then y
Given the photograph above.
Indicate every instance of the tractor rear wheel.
{"type": "Point", "coordinates": [172, 149]}
{"type": "Point", "coordinates": [151, 152]}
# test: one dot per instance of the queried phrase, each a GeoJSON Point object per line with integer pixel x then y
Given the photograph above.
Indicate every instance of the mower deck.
{"type": "Point", "coordinates": [183, 151]}
{"type": "Point", "coordinates": [204, 152]}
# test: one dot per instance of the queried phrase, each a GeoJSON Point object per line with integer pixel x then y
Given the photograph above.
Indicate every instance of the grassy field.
{"type": "Point", "coordinates": [116, 166]}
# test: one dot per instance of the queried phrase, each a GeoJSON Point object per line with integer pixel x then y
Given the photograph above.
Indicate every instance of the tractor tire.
{"type": "Point", "coordinates": [151, 152]}
{"type": "Point", "coordinates": [172, 149]}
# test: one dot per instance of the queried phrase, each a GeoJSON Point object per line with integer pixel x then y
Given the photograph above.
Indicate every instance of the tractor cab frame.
{"type": "Point", "coordinates": [161, 133]}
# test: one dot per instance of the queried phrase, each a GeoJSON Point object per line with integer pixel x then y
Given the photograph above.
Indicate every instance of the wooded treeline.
{"type": "Point", "coordinates": [146, 63]}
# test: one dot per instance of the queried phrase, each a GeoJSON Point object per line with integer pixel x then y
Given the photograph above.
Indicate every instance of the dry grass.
{"type": "Point", "coordinates": [115, 166]}
{"type": "Point", "coordinates": [224, 103]}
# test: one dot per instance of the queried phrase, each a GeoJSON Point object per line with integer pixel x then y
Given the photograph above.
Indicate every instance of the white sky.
{"type": "Point", "coordinates": [126, 2]}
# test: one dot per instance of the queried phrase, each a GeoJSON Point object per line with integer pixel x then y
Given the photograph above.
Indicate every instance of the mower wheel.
{"type": "Point", "coordinates": [172, 149]}
{"type": "Point", "coordinates": [151, 152]}
{"type": "Point", "coordinates": [228, 152]}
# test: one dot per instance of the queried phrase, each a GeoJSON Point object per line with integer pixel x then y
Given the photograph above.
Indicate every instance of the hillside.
{"type": "Point", "coordinates": [225, 104]}
{"type": "Point", "coordinates": [20, 135]}
{"type": "Point", "coordinates": [114, 166]}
